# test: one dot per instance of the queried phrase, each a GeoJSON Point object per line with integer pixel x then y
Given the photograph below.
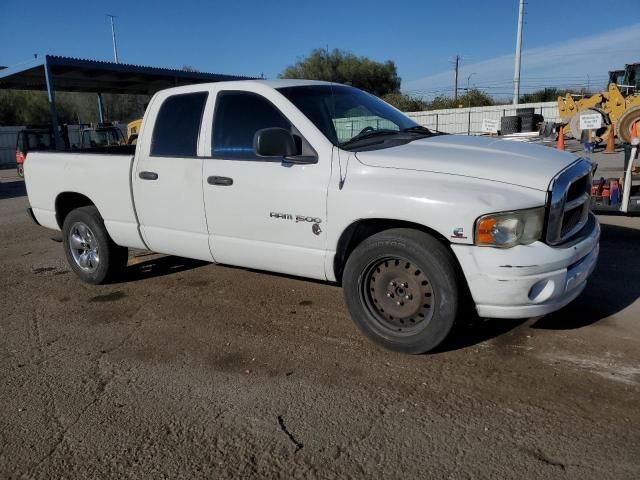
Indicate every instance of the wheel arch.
{"type": "Point", "coordinates": [68, 201]}
{"type": "Point", "coordinates": [362, 229]}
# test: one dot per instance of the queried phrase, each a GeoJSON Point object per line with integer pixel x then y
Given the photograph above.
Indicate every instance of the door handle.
{"type": "Point", "coordinates": [148, 175]}
{"type": "Point", "coordinates": [222, 181]}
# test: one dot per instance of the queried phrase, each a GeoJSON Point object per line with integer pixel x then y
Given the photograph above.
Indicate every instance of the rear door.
{"type": "Point", "coordinates": [262, 212]}
{"type": "Point", "coordinates": [167, 181]}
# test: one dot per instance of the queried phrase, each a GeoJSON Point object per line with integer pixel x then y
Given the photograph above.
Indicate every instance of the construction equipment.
{"type": "Point", "coordinates": [133, 130]}
{"type": "Point", "coordinates": [619, 106]}
{"type": "Point", "coordinates": [616, 76]}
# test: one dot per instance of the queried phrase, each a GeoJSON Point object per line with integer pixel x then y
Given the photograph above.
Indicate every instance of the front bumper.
{"type": "Point", "coordinates": [528, 280]}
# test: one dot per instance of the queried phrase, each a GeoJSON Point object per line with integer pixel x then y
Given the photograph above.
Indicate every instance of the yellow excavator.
{"type": "Point", "coordinates": [619, 106]}
{"type": "Point", "coordinates": [133, 130]}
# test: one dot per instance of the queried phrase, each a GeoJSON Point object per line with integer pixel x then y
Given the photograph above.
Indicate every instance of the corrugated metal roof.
{"type": "Point", "coordinates": [83, 75]}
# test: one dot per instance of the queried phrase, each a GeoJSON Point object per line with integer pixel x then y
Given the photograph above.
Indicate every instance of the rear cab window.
{"type": "Point", "coordinates": [177, 125]}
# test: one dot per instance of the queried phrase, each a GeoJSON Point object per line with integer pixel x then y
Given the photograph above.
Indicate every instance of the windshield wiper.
{"type": "Point", "coordinates": [418, 129]}
{"type": "Point", "coordinates": [365, 135]}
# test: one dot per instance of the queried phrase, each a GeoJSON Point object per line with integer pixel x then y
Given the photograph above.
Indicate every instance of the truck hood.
{"type": "Point", "coordinates": [517, 163]}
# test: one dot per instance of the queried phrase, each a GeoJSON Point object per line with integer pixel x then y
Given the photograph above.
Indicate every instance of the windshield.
{"type": "Point", "coordinates": [346, 114]}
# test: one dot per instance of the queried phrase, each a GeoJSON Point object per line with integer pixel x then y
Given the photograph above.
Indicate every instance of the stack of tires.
{"type": "Point", "coordinates": [510, 124]}
{"type": "Point", "coordinates": [525, 120]}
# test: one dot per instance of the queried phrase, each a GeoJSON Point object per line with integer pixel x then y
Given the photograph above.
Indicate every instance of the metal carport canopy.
{"type": "Point", "coordinates": [54, 73]}
{"type": "Point", "coordinates": [79, 75]}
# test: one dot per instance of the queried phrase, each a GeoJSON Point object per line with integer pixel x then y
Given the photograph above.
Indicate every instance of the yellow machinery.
{"type": "Point", "coordinates": [133, 130]}
{"type": "Point", "coordinates": [619, 112]}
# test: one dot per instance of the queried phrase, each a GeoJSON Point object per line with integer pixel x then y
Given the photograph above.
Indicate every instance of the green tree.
{"type": "Point", "coordinates": [551, 94]}
{"type": "Point", "coordinates": [378, 78]}
{"type": "Point", "coordinates": [22, 107]}
{"type": "Point", "coordinates": [472, 98]}
{"type": "Point", "coordinates": [406, 103]}
{"type": "Point", "coordinates": [544, 95]}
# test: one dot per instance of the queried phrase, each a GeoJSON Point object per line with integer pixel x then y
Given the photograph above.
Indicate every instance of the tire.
{"type": "Point", "coordinates": [526, 125]}
{"type": "Point", "coordinates": [577, 132]}
{"type": "Point", "coordinates": [526, 122]}
{"type": "Point", "coordinates": [20, 169]}
{"type": "Point", "coordinates": [411, 268]}
{"type": "Point", "coordinates": [90, 252]}
{"type": "Point", "coordinates": [509, 124]}
{"type": "Point", "coordinates": [625, 123]}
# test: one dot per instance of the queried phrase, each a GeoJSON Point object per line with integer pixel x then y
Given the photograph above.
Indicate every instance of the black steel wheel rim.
{"type": "Point", "coordinates": [398, 295]}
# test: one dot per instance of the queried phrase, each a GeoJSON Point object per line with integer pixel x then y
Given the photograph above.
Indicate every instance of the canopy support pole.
{"type": "Point", "coordinates": [51, 96]}
{"type": "Point", "coordinates": [100, 109]}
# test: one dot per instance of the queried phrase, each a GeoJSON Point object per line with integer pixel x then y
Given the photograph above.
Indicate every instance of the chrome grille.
{"type": "Point", "coordinates": [570, 199]}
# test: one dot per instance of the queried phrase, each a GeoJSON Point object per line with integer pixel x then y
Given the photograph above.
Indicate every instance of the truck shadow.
{"type": "Point", "coordinates": [614, 285]}
{"type": "Point", "coordinates": [12, 189]}
{"type": "Point", "coordinates": [158, 267]}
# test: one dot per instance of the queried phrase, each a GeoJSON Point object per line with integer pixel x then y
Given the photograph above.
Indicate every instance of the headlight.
{"type": "Point", "coordinates": [509, 229]}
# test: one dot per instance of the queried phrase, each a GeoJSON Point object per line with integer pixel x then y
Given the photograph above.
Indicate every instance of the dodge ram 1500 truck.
{"type": "Point", "coordinates": [325, 181]}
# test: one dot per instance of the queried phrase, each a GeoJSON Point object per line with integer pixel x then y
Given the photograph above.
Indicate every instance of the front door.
{"type": "Point", "coordinates": [262, 212]}
{"type": "Point", "coordinates": [167, 182]}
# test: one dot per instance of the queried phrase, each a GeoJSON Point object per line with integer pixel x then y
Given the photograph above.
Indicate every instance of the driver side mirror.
{"type": "Point", "coordinates": [274, 142]}
{"type": "Point", "coordinates": [278, 142]}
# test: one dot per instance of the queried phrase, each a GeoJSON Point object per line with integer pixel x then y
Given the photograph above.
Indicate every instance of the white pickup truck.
{"type": "Point", "coordinates": [325, 181]}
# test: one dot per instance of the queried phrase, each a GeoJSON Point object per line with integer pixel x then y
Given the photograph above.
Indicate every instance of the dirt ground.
{"type": "Point", "coordinates": [190, 370]}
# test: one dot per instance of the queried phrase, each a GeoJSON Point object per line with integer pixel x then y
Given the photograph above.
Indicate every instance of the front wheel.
{"type": "Point", "coordinates": [20, 169]}
{"type": "Point", "coordinates": [89, 249]}
{"type": "Point", "coordinates": [401, 289]}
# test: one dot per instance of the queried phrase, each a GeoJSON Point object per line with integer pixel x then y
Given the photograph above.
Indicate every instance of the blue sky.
{"type": "Point", "coordinates": [564, 42]}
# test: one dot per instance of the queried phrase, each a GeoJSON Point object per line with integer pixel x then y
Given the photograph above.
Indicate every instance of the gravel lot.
{"type": "Point", "coordinates": [190, 370]}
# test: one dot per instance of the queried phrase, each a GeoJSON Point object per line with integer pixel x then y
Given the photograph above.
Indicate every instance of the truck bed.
{"type": "Point", "coordinates": [102, 175]}
{"type": "Point", "coordinates": [111, 150]}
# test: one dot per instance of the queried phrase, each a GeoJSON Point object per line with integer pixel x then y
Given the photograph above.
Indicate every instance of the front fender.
{"type": "Point", "coordinates": [446, 204]}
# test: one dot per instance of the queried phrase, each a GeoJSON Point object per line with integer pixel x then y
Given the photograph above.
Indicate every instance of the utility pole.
{"type": "Point", "coordinates": [467, 90]}
{"type": "Point", "coordinates": [456, 64]}
{"type": "Point", "coordinates": [516, 73]}
{"type": "Point", "coordinates": [113, 37]}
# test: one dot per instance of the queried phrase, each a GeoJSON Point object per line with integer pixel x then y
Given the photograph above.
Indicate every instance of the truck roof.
{"type": "Point", "coordinates": [290, 83]}
{"type": "Point", "coordinates": [240, 83]}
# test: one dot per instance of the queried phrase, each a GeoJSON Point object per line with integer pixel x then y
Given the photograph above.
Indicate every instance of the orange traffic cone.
{"type": "Point", "coordinates": [560, 145]}
{"type": "Point", "coordinates": [634, 130]}
{"type": "Point", "coordinates": [611, 142]}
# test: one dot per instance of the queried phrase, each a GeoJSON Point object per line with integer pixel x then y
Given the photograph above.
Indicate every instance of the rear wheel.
{"type": "Point", "coordinates": [20, 170]}
{"type": "Point", "coordinates": [90, 252]}
{"type": "Point", "coordinates": [401, 290]}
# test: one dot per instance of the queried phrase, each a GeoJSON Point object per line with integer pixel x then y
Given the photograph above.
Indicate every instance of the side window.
{"type": "Point", "coordinates": [175, 133]}
{"type": "Point", "coordinates": [239, 115]}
